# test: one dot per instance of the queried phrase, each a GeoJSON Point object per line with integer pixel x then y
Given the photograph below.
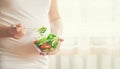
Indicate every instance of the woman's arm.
{"type": "Point", "coordinates": [56, 24]}
{"type": "Point", "coordinates": [55, 20]}
{"type": "Point", "coordinates": [4, 31]}
{"type": "Point", "coordinates": [16, 32]}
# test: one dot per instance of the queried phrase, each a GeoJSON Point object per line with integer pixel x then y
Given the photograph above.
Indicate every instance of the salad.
{"type": "Point", "coordinates": [46, 43]}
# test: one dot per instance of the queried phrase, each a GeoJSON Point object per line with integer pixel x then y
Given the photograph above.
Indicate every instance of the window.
{"type": "Point", "coordinates": [94, 22]}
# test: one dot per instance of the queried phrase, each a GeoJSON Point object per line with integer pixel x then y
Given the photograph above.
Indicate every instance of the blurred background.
{"type": "Point", "coordinates": [91, 34]}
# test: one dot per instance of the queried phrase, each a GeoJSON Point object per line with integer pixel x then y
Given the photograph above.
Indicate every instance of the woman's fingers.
{"type": "Point", "coordinates": [19, 25]}
{"type": "Point", "coordinates": [61, 39]}
{"type": "Point", "coordinates": [43, 53]}
{"type": "Point", "coordinates": [18, 31]}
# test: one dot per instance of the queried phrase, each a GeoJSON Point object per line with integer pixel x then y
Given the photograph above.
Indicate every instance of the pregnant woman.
{"type": "Point", "coordinates": [18, 19]}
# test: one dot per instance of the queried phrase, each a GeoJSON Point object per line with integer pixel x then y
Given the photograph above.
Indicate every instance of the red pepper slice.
{"type": "Point", "coordinates": [45, 46]}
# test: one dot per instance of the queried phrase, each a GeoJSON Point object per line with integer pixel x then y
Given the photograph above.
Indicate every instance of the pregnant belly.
{"type": "Point", "coordinates": [23, 47]}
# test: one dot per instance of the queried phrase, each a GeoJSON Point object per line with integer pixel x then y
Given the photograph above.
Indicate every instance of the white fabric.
{"type": "Point", "coordinates": [22, 54]}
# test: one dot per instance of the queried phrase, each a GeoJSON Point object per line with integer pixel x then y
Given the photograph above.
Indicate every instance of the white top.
{"type": "Point", "coordinates": [22, 54]}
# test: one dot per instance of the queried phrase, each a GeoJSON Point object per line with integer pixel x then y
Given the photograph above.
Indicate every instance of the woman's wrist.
{"type": "Point", "coordinates": [8, 32]}
{"type": "Point", "coordinates": [4, 31]}
{"type": "Point", "coordinates": [57, 27]}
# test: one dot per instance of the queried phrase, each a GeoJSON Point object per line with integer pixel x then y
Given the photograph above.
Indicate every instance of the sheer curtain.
{"type": "Point", "coordinates": [90, 23]}
{"type": "Point", "coordinates": [91, 33]}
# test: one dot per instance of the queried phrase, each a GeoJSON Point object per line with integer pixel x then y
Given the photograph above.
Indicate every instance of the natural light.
{"type": "Point", "coordinates": [91, 33]}
{"type": "Point", "coordinates": [84, 20]}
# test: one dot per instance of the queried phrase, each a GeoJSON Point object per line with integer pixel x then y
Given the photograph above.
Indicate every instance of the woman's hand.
{"type": "Point", "coordinates": [55, 51]}
{"type": "Point", "coordinates": [17, 31]}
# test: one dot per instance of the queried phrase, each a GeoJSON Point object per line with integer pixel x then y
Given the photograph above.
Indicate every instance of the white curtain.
{"type": "Point", "coordinates": [91, 33]}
